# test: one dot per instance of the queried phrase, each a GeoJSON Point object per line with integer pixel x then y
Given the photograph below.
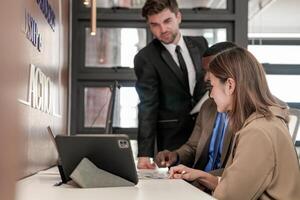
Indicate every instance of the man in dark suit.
{"type": "Point", "coordinates": [201, 151]}
{"type": "Point", "coordinates": [204, 150]}
{"type": "Point", "coordinates": [169, 81]}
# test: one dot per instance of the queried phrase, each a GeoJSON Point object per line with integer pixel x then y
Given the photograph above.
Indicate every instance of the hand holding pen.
{"type": "Point", "coordinates": [180, 172]}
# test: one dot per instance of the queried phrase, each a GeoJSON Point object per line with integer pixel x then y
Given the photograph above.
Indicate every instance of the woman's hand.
{"type": "Point", "coordinates": [182, 172]}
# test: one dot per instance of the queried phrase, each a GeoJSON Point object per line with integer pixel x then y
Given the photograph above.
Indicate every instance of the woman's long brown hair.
{"type": "Point", "coordinates": [251, 92]}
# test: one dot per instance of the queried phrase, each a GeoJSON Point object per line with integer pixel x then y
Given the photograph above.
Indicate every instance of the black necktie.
{"type": "Point", "coordinates": [182, 65]}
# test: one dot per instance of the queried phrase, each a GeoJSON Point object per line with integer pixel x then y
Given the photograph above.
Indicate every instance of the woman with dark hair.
{"type": "Point", "coordinates": [262, 163]}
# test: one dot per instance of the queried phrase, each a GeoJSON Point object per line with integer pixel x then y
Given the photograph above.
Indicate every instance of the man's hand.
{"type": "Point", "coordinates": [166, 158]}
{"type": "Point", "coordinates": [145, 163]}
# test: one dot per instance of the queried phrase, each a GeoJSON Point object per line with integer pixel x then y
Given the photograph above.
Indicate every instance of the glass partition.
{"type": "Point", "coordinates": [212, 35]}
{"type": "Point", "coordinates": [183, 4]}
{"type": "Point", "coordinates": [125, 108]}
{"type": "Point", "coordinates": [96, 106]}
{"type": "Point", "coordinates": [113, 47]}
{"type": "Point", "coordinates": [116, 47]}
{"type": "Point", "coordinates": [282, 87]}
{"type": "Point", "coordinates": [274, 53]}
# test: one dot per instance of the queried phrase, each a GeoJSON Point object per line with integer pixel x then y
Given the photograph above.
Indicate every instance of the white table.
{"type": "Point", "coordinates": [41, 187]}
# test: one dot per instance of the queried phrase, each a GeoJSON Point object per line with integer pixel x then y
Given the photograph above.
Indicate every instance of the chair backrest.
{"type": "Point", "coordinates": [294, 123]}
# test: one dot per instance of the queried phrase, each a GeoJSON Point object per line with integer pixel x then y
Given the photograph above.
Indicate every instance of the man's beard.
{"type": "Point", "coordinates": [174, 35]}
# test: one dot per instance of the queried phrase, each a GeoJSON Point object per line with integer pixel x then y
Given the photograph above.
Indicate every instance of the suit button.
{"type": "Point", "coordinates": [193, 102]}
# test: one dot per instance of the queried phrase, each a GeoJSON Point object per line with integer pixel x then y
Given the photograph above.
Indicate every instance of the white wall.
{"type": "Point", "coordinates": [282, 16]}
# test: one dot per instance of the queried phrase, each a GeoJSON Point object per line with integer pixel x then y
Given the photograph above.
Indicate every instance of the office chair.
{"type": "Point", "coordinates": [294, 123]}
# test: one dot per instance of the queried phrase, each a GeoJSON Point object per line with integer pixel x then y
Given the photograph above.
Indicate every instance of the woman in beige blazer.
{"type": "Point", "coordinates": [263, 163]}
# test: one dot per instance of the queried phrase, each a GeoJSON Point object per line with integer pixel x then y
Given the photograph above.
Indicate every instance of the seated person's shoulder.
{"type": "Point", "coordinates": [208, 109]}
{"type": "Point", "coordinates": [196, 38]}
{"type": "Point", "coordinates": [209, 104]}
{"type": "Point", "coordinates": [199, 41]}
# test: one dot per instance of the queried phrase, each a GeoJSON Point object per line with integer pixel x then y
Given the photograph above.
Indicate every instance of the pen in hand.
{"type": "Point", "coordinates": [172, 175]}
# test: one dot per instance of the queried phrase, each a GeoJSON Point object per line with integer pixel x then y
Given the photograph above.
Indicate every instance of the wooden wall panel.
{"type": "Point", "coordinates": [9, 130]}
{"type": "Point", "coordinates": [38, 152]}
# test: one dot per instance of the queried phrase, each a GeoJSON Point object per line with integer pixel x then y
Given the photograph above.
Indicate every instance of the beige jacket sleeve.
{"type": "Point", "coordinates": [251, 168]}
{"type": "Point", "coordinates": [187, 151]}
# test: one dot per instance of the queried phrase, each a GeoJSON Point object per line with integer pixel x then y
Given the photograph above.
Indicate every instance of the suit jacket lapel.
{"type": "Point", "coordinates": [173, 66]}
{"type": "Point", "coordinates": [226, 145]}
{"type": "Point", "coordinates": [232, 148]}
{"type": "Point", "coordinates": [195, 56]}
{"type": "Point", "coordinates": [207, 130]}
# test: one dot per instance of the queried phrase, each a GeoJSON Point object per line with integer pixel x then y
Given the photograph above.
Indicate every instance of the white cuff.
{"type": "Point", "coordinates": [219, 179]}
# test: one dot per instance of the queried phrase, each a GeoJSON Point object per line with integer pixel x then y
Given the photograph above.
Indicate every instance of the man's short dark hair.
{"type": "Point", "coordinates": [152, 7]}
{"type": "Point", "coordinates": [218, 48]}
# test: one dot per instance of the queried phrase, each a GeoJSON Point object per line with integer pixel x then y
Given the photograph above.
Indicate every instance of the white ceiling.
{"type": "Point", "coordinates": [281, 16]}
